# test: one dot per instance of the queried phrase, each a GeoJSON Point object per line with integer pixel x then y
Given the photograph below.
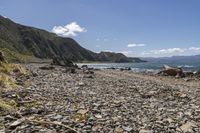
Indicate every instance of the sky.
{"type": "Point", "coordinates": [137, 28]}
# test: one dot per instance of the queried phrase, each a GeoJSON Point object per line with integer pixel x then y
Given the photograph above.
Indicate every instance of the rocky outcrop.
{"type": "Point", "coordinates": [170, 71]}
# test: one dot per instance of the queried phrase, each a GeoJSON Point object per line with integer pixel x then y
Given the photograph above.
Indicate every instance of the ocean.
{"type": "Point", "coordinates": [150, 66]}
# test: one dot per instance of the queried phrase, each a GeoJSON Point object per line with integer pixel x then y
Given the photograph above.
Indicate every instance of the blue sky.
{"type": "Point", "coordinates": [133, 27]}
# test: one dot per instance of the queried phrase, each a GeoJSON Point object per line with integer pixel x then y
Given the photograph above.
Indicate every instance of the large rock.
{"type": "Point", "coordinates": [170, 71]}
{"type": "Point", "coordinates": [2, 57]}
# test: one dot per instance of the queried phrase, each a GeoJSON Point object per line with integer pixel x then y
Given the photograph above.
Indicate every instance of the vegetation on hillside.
{"type": "Point", "coordinates": [13, 56]}
{"type": "Point", "coordinates": [21, 43]}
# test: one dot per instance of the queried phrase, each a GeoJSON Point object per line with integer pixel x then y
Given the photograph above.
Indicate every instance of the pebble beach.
{"type": "Point", "coordinates": [101, 101]}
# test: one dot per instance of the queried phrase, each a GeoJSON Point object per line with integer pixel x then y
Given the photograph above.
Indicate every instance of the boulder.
{"type": "Point", "coordinates": [112, 68]}
{"type": "Point", "coordinates": [170, 71]}
{"type": "Point", "coordinates": [2, 57]}
{"type": "Point", "coordinates": [84, 66]}
{"type": "Point", "coordinates": [126, 68]}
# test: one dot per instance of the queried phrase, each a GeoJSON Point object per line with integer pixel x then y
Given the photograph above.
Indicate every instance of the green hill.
{"type": "Point", "coordinates": [23, 42]}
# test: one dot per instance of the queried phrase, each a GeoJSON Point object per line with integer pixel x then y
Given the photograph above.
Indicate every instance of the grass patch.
{"type": "Point", "coordinates": [27, 84]}
{"type": "Point", "coordinates": [79, 117]}
{"type": "Point", "coordinates": [6, 81]}
{"type": "Point", "coordinates": [7, 105]}
{"type": "Point", "coordinates": [2, 125]}
{"type": "Point", "coordinates": [12, 68]}
{"type": "Point", "coordinates": [30, 105]}
{"type": "Point", "coordinates": [7, 72]}
{"type": "Point", "coordinates": [12, 56]}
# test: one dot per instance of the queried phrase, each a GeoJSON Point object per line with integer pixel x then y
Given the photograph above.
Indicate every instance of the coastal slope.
{"type": "Point", "coordinates": [30, 41]}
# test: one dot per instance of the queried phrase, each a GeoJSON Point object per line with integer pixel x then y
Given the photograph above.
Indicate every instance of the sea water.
{"type": "Point", "coordinates": [146, 66]}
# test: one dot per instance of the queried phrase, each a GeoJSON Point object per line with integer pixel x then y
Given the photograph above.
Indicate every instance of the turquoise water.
{"type": "Point", "coordinates": [147, 66]}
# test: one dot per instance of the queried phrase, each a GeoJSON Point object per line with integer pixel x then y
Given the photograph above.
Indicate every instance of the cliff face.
{"type": "Point", "coordinates": [45, 45]}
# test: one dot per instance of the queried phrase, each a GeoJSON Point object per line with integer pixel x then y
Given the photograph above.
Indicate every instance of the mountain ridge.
{"type": "Point", "coordinates": [42, 44]}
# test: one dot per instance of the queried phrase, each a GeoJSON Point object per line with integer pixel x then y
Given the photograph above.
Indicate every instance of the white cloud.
{"type": "Point", "coordinates": [168, 51]}
{"type": "Point", "coordinates": [145, 53]}
{"type": "Point", "coordinates": [70, 29]}
{"type": "Point", "coordinates": [194, 48]}
{"type": "Point", "coordinates": [127, 53]}
{"type": "Point", "coordinates": [161, 52]}
{"type": "Point", "coordinates": [135, 45]}
{"type": "Point", "coordinates": [108, 51]}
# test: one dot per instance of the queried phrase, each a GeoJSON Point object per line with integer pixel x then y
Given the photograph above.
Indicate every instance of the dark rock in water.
{"type": "Point", "coordinates": [47, 68]}
{"type": "Point", "coordinates": [112, 68]}
{"type": "Point", "coordinates": [84, 66]}
{"type": "Point", "coordinates": [91, 68]}
{"type": "Point", "coordinates": [170, 71]}
{"type": "Point", "coordinates": [126, 68]}
{"type": "Point", "coordinates": [2, 57]}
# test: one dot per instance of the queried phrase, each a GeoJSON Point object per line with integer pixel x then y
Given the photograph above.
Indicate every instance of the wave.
{"type": "Point", "coordinates": [186, 66]}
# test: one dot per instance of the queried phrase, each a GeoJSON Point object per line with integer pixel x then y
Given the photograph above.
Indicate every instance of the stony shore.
{"type": "Point", "coordinates": [106, 101]}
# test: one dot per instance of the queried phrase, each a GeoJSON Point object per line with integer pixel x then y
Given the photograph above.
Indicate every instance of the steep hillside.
{"type": "Point", "coordinates": [39, 43]}
{"type": "Point", "coordinates": [116, 57]}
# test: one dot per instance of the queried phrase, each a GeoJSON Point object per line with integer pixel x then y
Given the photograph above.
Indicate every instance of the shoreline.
{"type": "Point", "coordinates": [103, 101]}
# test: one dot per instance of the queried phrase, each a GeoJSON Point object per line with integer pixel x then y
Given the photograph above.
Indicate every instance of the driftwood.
{"type": "Point", "coordinates": [170, 71]}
